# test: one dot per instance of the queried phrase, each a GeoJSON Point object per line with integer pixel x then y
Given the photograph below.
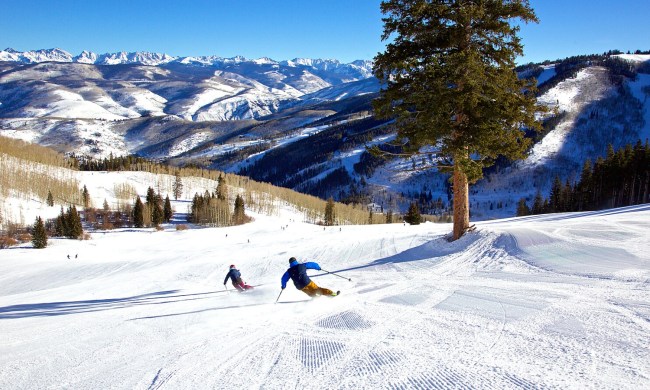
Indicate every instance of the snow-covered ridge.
{"type": "Point", "coordinates": [155, 59]}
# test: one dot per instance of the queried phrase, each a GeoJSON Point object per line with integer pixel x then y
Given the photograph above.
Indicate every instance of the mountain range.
{"type": "Point", "coordinates": [361, 67]}
{"type": "Point", "coordinates": [303, 123]}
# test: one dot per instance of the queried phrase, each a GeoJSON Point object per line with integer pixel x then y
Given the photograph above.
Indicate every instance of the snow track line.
{"type": "Point", "coordinates": [155, 384]}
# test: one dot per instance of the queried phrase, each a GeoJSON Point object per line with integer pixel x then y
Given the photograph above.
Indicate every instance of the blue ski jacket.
{"type": "Point", "coordinates": [297, 272]}
{"type": "Point", "coordinates": [233, 274]}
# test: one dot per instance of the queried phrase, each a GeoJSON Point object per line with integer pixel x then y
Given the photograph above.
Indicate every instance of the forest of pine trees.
{"type": "Point", "coordinates": [620, 179]}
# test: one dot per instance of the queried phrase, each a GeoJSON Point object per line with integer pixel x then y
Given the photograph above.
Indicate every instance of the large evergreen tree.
{"type": "Point", "coordinates": [449, 81]}
{"type": "Point", "coordinates": [39, 235]}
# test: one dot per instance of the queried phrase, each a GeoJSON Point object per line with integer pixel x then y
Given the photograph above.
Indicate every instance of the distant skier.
{"type": "Point", "coordinates": [297, 272]}
{"type": "Point", "coordinates": [237, 281]}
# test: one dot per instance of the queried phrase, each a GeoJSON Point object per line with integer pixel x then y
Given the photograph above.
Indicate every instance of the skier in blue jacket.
{"type": "Point", "coordinates": [297, 272]}
{"type": "Point", "coordinates": [237, 281]}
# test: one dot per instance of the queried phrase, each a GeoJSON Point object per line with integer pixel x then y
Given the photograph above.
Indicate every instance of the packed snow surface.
{"type": "Point", "coordinates": [551, 301]}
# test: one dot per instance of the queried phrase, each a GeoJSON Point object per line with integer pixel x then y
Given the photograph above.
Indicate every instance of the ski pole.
{"type": "Point", "coordinates": [349, 279]}
{"type": "Point", "coordinates": [276, 301]}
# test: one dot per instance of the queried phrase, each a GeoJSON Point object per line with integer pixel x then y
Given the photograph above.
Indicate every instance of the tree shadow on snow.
{"type": "Point", "coordinates": [48, 309]}
{"type": "Point", "coordinates": [432, 251]}
{"type": "Point", "coordinates": [572, 215]}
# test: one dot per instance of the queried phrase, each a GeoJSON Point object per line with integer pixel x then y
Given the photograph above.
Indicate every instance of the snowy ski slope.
{"type": "Point", "coordinates": [551, 301]}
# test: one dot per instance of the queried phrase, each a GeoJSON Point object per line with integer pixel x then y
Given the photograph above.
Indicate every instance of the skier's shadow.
{"type": "Point", "coordinates": [48, 309]}
{"type": "Point", "coordinates": [199, 311]}
{"type": "Point", "coordinates": [216, 309]}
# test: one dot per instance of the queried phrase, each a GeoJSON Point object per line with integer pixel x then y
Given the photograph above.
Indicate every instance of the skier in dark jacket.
{"type": "Point", "coordinates": [297, 272]}
{"type": "Point", "coordinates": [237, 281]}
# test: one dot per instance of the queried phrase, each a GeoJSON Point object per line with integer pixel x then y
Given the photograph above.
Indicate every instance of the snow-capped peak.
{"type": "Point", "coordinates": [144, 58]}
{"type": "Point", "coordinates": [265, 61]}
{"type": "Point", "coordinates": [86, 57]}
{"type": "Point", "coordinates": [35, 56]}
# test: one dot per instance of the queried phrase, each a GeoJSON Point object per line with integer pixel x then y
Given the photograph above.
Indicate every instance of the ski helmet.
{"type": "Point", "coordinates": [291, 260]}
{"type": "Point", "coordinates": [232, 266]}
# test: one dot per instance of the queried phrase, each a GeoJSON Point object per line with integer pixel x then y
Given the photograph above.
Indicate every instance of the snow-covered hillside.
{"type": "Point", "coordinates": [228, 113]}
{"type": "Point", "coordinates": [555, 301]}
{"type": "Point", "coordinates": [594, 112]}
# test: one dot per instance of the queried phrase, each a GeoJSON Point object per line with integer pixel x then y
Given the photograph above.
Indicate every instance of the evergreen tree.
{"type": "Point", "coordinates": [177, 187]}
{"type": "Point", "coordinates": [157, 214]}
{"type": "Point", "coordinates": [449, 80]}
{"type": "Point", "coordinates": [413, 216]}
{"type": "Point", "coordinates": [39, 235]}
{"type": "Point", "coordinates": [151, 196]}
{"type": "Point", "coordinates": [154, 207]}
{"type": "Point", "coordinates": [554, 198]}
{"type": "Point", "coordinates": [86, 197]}
{"type": "Point", "coordinates": [60, 227]}
{"type": "Point", "coordinates": [566, 197]}
{"type": "Point", "coordinates": [168, 213]}
{"type": "Point", "coordinates": [585, 188]}
{"type": "Point", "coordinates": [74, 228]}
{"type": "Point", "coordinates": [50, 198]}
{"type": "Point", "coordinates": [138, 213]}
{"type": "Point", "coordinates": [538, 204]}
{"type": "Point", "coordinates": [329, 212]}
{"type": "Point", "coordinates": [239, 215]}
{"type": "Point", "coordinates": [106, 208]}
{"type": "Point", "coordinates": [522, 208]}
{"type": "Point", "coordinates": [222, 188]}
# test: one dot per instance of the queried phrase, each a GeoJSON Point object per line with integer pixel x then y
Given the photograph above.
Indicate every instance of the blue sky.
{"type": "Point", "coordinates": [286, 29]}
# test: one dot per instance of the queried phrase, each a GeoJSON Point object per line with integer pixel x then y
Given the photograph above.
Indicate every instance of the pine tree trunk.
{"type": "Point", "coordinates": [461, 203]}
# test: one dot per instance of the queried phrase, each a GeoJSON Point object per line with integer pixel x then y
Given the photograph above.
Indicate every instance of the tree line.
{"type": "Point", "coordinates": [214, 209]}
{"type": "Point", "coordinates": [620, 179]}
